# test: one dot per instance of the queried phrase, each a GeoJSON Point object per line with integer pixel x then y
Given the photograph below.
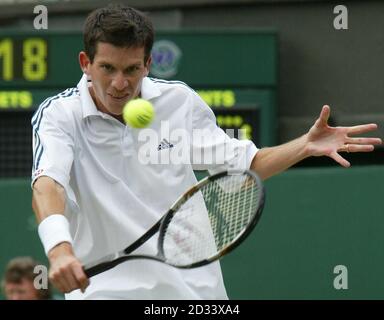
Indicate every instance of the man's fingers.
{"type": "Point", "coordinates": [372, 141]}
{"type": "Point", "coordinates": [70, 278]}
{"type": "Point", "coordinates": [360, 148]}
{"type": "Point", "coordinates": [339, 159]}
{"type": "Point", "coordinates": [81, 277]}
{"type": "Point", "coordinates": [62, 281]}
{"type": "Point", "coordinates": [362, 128]}
{"type": "Point", "coordinates": [58, 282]}
{"type": "Point", "coordinates": [324, 115]}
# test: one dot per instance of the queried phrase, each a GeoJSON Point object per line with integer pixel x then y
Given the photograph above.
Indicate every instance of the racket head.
{"type": "Point", "coordinates": [242, 192]}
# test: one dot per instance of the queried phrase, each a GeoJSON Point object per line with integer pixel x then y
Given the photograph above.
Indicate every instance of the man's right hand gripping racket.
{"type": "Point", "coordinates": [208, 221]}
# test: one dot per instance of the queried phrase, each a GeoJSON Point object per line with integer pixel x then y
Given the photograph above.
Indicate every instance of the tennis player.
{"type": "Point", "coordinates": [91, 193]}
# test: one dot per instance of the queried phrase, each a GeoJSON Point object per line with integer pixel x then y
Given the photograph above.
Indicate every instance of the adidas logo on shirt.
{"type": "Point", "coordinates": [164, 144]}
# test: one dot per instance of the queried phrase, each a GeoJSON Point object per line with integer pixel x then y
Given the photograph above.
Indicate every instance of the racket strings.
{"type": "Point", "coordinates": [235, 211]}
{"type": "Point", "coordinates": [211, 219]}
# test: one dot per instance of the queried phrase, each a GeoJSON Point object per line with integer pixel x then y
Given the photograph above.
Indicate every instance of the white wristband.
{"type": "Point", "coordinates": [53, 230]}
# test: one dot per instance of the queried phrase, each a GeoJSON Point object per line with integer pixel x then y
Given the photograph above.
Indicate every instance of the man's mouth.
{"type": "Point", "coordinates": [119, 97]}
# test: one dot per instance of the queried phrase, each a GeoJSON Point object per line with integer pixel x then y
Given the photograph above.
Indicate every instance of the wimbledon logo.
{"type": "Point", "coordinates": [166, 56]}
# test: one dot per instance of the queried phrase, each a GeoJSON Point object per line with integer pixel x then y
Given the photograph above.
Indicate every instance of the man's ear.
{"type": "Point", "coordinates": [85, 62]}
{"type": "Point", "coordinates": [148, 66]}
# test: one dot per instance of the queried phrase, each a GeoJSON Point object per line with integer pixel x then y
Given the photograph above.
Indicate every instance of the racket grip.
{"type": "Point", "coordinates": [104, 266]}
{"type": "Point", "coordinates": [99, 268]}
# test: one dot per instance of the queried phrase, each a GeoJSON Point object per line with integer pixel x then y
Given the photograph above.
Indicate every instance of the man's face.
{"type": "Point", "coordinates": [20, 291]}
{"type": "Point", "coordinates": [116, 74]}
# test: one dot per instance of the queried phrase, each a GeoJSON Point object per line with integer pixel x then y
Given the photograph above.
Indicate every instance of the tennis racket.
{"type": "Point", "coordinates": [208, 221]}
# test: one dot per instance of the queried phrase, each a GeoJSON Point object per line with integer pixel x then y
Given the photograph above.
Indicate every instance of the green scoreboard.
{"type": "Point", "coordinates": [235, 72]}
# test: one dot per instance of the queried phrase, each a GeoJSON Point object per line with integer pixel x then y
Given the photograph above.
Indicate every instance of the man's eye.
{"type": "Point", "coordinates": [133, 69]}
{"type": "Point", "coordinates": [107, 67]}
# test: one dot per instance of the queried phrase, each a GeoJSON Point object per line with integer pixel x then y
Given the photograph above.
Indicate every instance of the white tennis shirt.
{"type": "Point", "coordinates": [117, 189]}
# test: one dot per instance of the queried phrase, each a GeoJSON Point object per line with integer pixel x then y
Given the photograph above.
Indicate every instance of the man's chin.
{"type": "Point", "coordinates": [116, 112]}
{"type": "Point", "coordinates": [116, 108]}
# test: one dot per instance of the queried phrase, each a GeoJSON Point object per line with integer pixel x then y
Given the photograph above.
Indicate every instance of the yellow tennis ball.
{"type": "Point", "coordinates": [138, 113]}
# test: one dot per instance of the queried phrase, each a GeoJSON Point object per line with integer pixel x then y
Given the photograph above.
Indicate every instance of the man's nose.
{"type": "Point", "coordinates": [120, 82]}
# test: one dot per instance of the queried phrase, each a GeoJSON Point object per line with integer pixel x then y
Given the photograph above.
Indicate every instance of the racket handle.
{"type": "Point", "coordinates": [99, 268]}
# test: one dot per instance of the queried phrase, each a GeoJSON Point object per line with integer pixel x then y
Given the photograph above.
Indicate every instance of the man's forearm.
{"type": "Point", "coordinates": [48, 202]}
{"type": "Point", "coordinates": [48, 198]}
{"type": "Point", "coordinates": [270, 161]}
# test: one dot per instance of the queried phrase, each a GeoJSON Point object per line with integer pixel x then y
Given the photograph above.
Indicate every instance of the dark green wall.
{"type": "Point", "coordinates": [18, 228]}
{"type": "Point", "coordinates": [314, 219]}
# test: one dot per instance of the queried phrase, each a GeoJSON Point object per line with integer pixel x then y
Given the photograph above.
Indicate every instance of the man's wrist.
{"type": "Point", "coordinates": [306, 149]}
{"type": "Point", "coordinates": [63, 248]}
{"type": "Point", "coordinates": [54, 230]}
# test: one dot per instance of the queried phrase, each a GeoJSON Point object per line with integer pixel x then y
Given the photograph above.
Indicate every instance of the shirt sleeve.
{"type": "Point", "coordinates": [53, 143]}
{"type": "Point", "coordinates": [212, 149]}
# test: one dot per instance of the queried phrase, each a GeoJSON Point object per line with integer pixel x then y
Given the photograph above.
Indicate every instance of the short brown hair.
{"type": "Point", "coordinates": [23, 268]}
{"type": "Point", "coordinates": [119, 25]}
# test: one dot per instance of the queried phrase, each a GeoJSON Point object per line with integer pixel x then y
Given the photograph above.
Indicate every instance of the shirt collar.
{"type": "Point", "coordinates": [87, 104]}
{"type": "Point", "coordinates": [149, 90]}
